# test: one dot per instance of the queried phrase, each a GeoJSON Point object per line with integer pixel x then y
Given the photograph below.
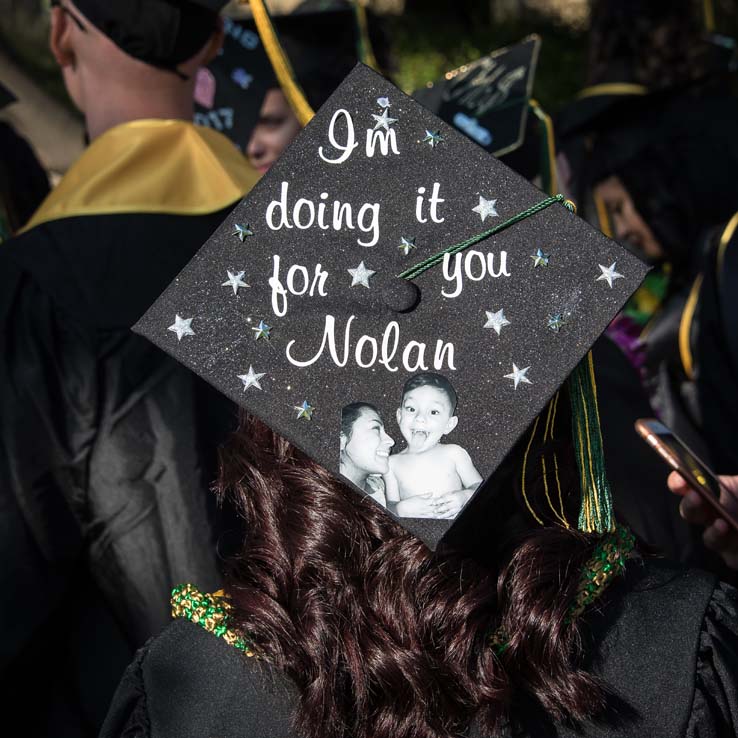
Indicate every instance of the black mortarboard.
{"type": "Point", "coordinates": [163, 33]}
{"type": "Point", "coordinates": [487, 99]}
{"type": "Point", "coordinates": [321, 46]}
{"type": "Point", "coordinates": [294, 308]}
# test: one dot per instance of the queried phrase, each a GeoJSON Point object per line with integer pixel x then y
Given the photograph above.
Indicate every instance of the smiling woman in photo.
{"type": "Point", "coordinates": [365, 448]}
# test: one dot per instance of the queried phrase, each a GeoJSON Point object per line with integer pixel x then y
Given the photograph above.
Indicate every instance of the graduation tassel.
{"type": "Point", "coordinates": [366, 53]}
{"type": "Point", "coordinates": [595, 514]}
{"type": "Point", "coordinates": [280, 63]}
{"type": "Point", "coordinates": [417, 269]}
{"type": "Point", "coordinates": [602, 217]}
{"type": "Point", "coordinates": [548, 148]}
{"type": "Point", "coordinates": [709, 15]}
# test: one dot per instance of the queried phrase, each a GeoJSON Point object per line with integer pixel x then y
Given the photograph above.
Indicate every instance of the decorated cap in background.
{"type": "Point", "coordinates": [321, 41]}
{"type": "Point", "coordinates": [396, 302]}
{"type": "Point", "coordinates": [487, 99]}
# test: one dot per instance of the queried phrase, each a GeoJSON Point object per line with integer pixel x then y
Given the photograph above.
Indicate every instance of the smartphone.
{"type": "Point", "coordinates": [682, 459]}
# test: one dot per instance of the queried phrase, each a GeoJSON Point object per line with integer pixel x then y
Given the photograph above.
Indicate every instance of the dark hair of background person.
{"type": "Point", "coordinates": [351, 413]}
{"type": "Point", "coordinates": [429, 379]}
{"type": "Point", "coordinates": [658, 43]}
{"type": "Point", "coordinates": [383, 638]}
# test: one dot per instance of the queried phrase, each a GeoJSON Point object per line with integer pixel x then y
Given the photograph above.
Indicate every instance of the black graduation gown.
{"type": "Point", "coordinates": [666, 643]}
{"type": "Point", "coordinates": [23, 182]}
{"type": "Point", "coordinates": [106, 450]}
{"type": "Point", "coordinates": [692, 354]}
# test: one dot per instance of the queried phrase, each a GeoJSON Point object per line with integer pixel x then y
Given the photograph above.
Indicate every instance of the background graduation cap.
{"type": "Point", "coordinates": [382, 244]}
{"type": "Point", "coordinates": [490, 101]}
{"type": "Point", "coordinates": [487, 99]}
{"type": "Point", "coordinates": [163, 33]}
{"type": "Point", "coordinates": [306, 53]}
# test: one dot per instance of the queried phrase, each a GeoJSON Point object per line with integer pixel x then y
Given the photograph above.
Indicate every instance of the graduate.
{"type": "Point", "coordinates": [649, 142]}
{"type": "Point", "coordinates": [528, 611]}
{"type": "Point", "coordinates": [107, 444]}
{"type": "Point", "coordinates": [673, 198]}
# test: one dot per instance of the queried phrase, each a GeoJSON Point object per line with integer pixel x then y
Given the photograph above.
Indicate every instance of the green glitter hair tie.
{"type": "Point", "coordinates": [209, 611]}
{"type": "Point", "coordinates": [608, 561]}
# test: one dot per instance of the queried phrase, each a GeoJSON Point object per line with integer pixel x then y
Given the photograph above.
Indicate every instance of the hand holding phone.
{"type": "Point", "coordinates": [690, 467]}
{"type": "Point", "coordinates": [717, 534]}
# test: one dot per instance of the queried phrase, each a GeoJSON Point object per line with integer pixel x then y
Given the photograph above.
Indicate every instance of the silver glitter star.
{"type": "Point", "coordinates": [556, 322]}
{"type": "Point", "coordinates": [251, 378]}
{"type": "Point", "coordinates": [540, 259]}
{"type": "Point", "coordinates": [182, 327]}
{"type": "Point", "coordinates": [305, 410]}
{"type": "Point", "coordinates": [486, 208]}
{"type": "Point", "coordinates": [383, 121]}
{"type": "Point", "coordinates": [242, 231]}
{"type": "Point", "coordinates": [518, 376]}
{"type": "Point", "coordinates": [432, 138]}
{"type": "Point", "coordinates": [360, 275]}
{"type": "Point", "coordinates": [407, 244]}
{"type": "Point", "coordinates": [383, 102]}
{"type": "Point", "coordinates": [235, 281]}
{"type": "Point", "coordinates": [262, 330]}
{"type": "Point", "coordinates": [608, 274]}
{"type": "Point", "coordinates": [496, 321]}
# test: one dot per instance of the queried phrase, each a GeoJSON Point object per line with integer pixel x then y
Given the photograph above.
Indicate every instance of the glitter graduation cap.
{"type": "Point", "coordinates": [390, 273]}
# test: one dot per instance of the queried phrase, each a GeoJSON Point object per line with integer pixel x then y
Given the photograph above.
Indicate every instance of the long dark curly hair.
{"type": "Point", "coordinates": [384, 638]}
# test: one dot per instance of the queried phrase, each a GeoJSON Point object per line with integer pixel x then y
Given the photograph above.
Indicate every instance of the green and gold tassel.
{"type": "Point", "coordinates": [596, 513]}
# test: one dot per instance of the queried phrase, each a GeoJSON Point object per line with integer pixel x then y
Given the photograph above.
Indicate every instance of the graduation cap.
{"type": "Point", "coordinates": [389, 276]}
{"type": "Point", "coordinates": [163, 33]}
{"type": "Point", "coordinates": [316, 47]}
{"type": "Point", "coordinates": [488, 99]}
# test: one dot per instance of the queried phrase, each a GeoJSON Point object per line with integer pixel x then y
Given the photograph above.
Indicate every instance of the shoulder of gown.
{"type": "Point", "coordinates": [188, 683]}
{"type": "Point", "coordinates": [715, 705]}
{"type": "Point", "coordinates": [666, 644]}
{"type": "Point", "coordinates": [664, 641]}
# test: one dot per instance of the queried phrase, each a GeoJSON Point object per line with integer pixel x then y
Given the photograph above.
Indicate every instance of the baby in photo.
{"type": "Point", "coordinates": [429, 479]}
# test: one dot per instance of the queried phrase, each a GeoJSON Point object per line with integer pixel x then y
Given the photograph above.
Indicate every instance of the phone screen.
{"type": "Point", "coordinates": [682, 452]}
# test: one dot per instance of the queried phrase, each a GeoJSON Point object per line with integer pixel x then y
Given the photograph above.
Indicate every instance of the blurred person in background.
{"type": "Point", "coordinates": [674, 201]}
{"type": "Point", "coordinates": [649, 152]}
{"type": "Point", "coordinates": [108, 446]}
